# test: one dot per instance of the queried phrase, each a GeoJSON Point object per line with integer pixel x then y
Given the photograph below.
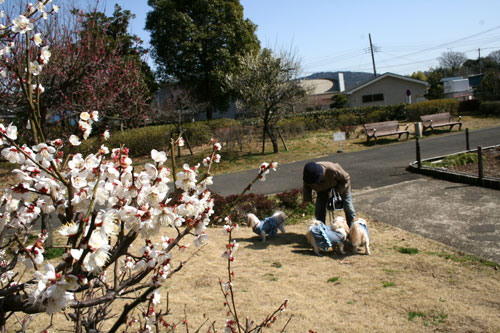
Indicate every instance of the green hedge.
{"type": "Point", "coordinates": [414, 111]}
{"type": "Point", "coordinates": [140, 141]}
{"type": "Point", "coordinates": [490, 108]}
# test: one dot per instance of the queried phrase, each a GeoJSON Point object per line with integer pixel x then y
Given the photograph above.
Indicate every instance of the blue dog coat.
{"type": "Point", "coordinates": [269, 225]}
{"type": "Point", "coordinates": [325, 237]}
{"type": "Point", "coordinates": [364, 227]}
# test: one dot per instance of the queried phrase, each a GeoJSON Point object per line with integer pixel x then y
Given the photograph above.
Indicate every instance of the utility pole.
{"type": "Point", "coordinates": [479, 60]}
{"type": "Point", "coordinates": [373, 58]}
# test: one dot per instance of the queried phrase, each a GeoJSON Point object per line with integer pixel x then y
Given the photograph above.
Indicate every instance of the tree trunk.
{"type": "Point", "coordinates": [274, 140]}
{"type": "Point", "coordinates": [210, 113]}
{"type": "Point", "coordinates": [264, 139]}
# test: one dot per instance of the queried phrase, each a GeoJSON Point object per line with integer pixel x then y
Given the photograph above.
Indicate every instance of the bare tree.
{"type": "Point", "coordinates": [452, 60]}
{"type": "Point", "coordinates": [267, 87]}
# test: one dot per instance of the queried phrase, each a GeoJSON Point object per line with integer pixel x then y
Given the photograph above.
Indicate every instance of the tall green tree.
{"type": "Point", "coordinates": [489, 90]}
{"type": "Point", "coordinates": [267, 87]}
{"type": "Point", "coordinates": [198, 42]}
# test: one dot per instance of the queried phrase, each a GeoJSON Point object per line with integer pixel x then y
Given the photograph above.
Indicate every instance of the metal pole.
{"type": "Point", "coordinates": [373, 58]}
{"type": "Point", "coordinates": [419, 160]}
{"type": "Point", "coordinates": [467, 145]}
{"type": "Point", "coordinates": [480, 164]}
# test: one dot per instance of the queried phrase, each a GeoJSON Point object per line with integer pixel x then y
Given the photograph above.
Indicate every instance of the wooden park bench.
{"type": "Point", "coordinates": [384, 128]}
{"type": "Point", "coordinates": [438, 120]}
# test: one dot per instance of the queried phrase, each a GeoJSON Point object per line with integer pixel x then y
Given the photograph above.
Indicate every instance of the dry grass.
{"type": "Point", "coordinates": [387, 291]}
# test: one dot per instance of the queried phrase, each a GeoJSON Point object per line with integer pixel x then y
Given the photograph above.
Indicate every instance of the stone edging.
{"type": "Point", "coordinates": [454, 176]}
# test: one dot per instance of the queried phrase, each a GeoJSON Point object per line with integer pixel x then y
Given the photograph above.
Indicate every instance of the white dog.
{"type": "Point", "coordinates": [359, 236]}
{"type": "Point", "coordinates": [322, 237]}
{"type": "Point", "coordinates": [269, 226]}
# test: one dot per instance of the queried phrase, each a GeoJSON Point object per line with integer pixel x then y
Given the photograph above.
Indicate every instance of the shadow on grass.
{"type": "Point", "coordinates": [298, 242]}
{"type": "Point", "coordinates": [288, 238]}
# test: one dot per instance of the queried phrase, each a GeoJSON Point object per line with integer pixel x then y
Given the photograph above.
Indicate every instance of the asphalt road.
{"type": "Point", "coordinates": [379, 166]}
{"type": "Point", "coordinates": [459, 215]}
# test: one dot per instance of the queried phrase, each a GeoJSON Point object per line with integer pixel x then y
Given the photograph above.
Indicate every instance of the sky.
{"type": "Point", "coordinates": [333, 35]}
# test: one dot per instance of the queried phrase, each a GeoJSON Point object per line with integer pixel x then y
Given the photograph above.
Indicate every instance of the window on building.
{"type": "Point", "coordinates": [373, 98]}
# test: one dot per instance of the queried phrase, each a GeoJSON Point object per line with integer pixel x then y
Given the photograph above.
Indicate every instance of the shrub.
{"type": "Point", "coordinates": [469, 106]}
{"type": "Point", "coordinates": [289, 199]}
{"type": "Point", "coordinates": [490, 108]}
{"type": "Point", "coordinates": [198, 132]}
{"type": "Point", "coordinates": [414, 111]}
{"type": "Point", "coordinates": [140, 141]}
{"type": "Point", "coordinates": [258, 204]}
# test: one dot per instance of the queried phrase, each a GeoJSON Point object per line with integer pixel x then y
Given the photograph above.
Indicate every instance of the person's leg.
{"type": "Point", "coordinates": [321, 201]}
{"type": "Point", "coordinates": [350, 213]}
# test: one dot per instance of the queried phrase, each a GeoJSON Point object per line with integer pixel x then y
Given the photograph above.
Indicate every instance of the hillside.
{"type": "Point", "coordinates": [350, 78]}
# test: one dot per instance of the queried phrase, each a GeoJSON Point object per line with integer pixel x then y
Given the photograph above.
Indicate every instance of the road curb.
{"type": "Point", "coordinates": [455, 176]}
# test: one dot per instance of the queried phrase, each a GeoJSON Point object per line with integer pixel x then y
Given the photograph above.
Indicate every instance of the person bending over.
{"type": "Point", "coordinates": [321, 177]}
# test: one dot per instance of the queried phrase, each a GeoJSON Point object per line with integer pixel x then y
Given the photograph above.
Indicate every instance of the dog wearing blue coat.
{"type": "Point", "coordinates": [323, 237]}
{"type": "Point", "coordinates": [359, 236]}
{"type": "Point", "coordinates": [267, 227]}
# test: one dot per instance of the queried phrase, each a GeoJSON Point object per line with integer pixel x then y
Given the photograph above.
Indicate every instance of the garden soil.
{"type": "Point", "coordinates": [434, 290]}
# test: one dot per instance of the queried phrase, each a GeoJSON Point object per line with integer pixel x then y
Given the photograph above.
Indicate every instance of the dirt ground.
{"type": "Point", "coordinates": [435, 290]}
{"type": "Point", "coordinates": [491, 164]}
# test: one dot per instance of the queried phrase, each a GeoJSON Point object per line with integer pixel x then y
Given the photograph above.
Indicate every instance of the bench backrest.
{"type": "Point", "coordinates": [437, 118]}
{"type": "Point", "coordinates": [384, 126]}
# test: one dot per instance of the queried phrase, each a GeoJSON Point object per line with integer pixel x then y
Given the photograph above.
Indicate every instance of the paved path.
{"type": "Point", "coordinates": [460, 215]}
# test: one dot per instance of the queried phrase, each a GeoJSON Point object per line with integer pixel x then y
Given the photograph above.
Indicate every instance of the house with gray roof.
{"type": "Point", "coordinates": [387, 89]}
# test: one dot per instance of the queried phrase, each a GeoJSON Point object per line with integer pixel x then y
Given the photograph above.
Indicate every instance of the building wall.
{"type": "Point", "coordinates": [393, 89]}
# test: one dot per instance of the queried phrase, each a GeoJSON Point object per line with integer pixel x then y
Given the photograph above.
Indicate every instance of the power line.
{"type": "Point", "coordinates": [463, 41]}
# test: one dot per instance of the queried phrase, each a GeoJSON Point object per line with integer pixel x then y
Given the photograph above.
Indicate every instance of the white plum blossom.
{"type": "Point", "coordinates": [74, 141]}
{"type": "Point", "coordinates": [45, 55]}
{"type": "Point", "coordinates": [99, 198]}
{"type": "Point", "coordinates": [85, 116]}
{"type": "Point", "coordinates": [69, 229]}
{"type": "Point", "coordinates": [158, 157]}
{"type": "Point", "coordinates": [10, 132]}
{"type": "Point", "coordinates": [156, 297]}
{"type": "Point", "coordinates": [40, 6]}
{"type": "Point", "coordinates": [22, 24]}
{"type": "Point", "coordinates": [201, 239]}
{"type": "Point", "coordinates": [13, 155]}
{"type": "Point", "coordinates": [38, 88]}
{"type": "Point", "coordinates": [186, 179]}
{"type": "Point", "coordinates": [51, 289]}
{"type": "Point", "coordinates": [37, 39]}
{"type": "Point", "coordinates": [94, 115]}
{"type": "Point", "coordinates": [35, 68]}
{"type": "Point", "coordinates": [95, 261]}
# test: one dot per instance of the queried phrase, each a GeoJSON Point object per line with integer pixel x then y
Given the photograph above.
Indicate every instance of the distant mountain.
{"type": "Point", "coordinates": [350, 78]}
